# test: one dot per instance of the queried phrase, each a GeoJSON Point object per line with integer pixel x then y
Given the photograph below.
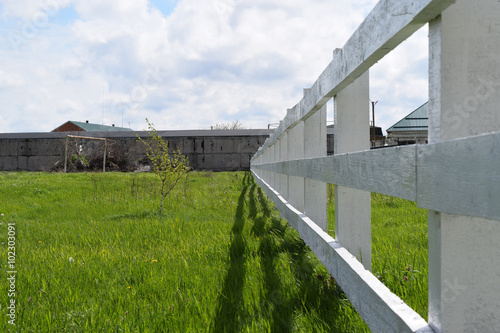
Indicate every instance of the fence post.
{"type": "Point", "coordinates": [270, 159]}
{"type": "Point", "coordinates": [315, 146]}
{"type": "Point", "coordinates": [464, 91]}
{"type": "Point", "coordinates": [259, 160]}
{"type": "Point", "coordinates": [352, 207]}
{"type": "Point", "coordinates": [277, 176]}
{"type": "Point", "coordinates": [296, 151]}
{"type": "Point", "coordinates": [283, 189]}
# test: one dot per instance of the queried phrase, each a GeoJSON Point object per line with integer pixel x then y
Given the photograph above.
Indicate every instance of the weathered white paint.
{"type": "Point", "coordinates": [284, 157]}
{"type": "Point", "coordinates": [382, 310]}
{"type": "Point", "coordinates": [464, 293]}
{"type": "Point", "coordinates": [388, 25]}
{"type": "Point", "coordinates": [457, 167]}
{"type": "Point", "coordinates": [271, 155]}
{"type": "Point", "coordinates": [315, 146]}
{"type": "Point", "coordinates": [277, 151]}
{"type": "Point", "coordinates": [390, 171]}
{"type": "Point", "coordinates": [446, 177]}
{"type": "Point", "coordinates": [447, 167]}
{"type": "Point", "coordinates": [295, 151]}
{"type": "Point", "coordinates": [352, 207]}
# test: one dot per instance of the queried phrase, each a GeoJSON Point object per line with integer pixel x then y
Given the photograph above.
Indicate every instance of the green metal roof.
{"type": "Point", "coordinates": [98, 128]}
{"type": "Point", "coordinates": [415, 121]}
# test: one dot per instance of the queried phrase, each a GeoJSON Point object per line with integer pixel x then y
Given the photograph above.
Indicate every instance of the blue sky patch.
{"type": "Point", "coordinates": [166, 7]}
{"type": "Point", "coordinates": [65, 16]}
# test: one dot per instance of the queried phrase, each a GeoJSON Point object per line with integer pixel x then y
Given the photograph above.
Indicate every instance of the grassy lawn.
{"type": "Point", "coordinates": [399, 247]}
{"type": "Point", "coordinates": [94, 255]}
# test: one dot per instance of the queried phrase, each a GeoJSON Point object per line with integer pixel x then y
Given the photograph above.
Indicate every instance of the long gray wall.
{"type": "Point", "coordinates": [206, 149]}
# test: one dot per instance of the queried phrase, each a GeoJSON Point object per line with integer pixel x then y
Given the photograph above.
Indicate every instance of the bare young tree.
{"type": "Point", "coordinates": [169, 167]}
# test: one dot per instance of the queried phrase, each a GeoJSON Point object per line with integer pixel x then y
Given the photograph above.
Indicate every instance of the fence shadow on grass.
{"type": "Point", "coordinates": [230, 301]}
{"type": "Point", "coordinates": [291, 287]}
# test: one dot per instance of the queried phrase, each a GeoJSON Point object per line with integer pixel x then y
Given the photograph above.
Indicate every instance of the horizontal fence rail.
{"type": "Point", "coordinates": [388, 25]}
{"type": "Point", "coordinates": [393, 171]}
{"type": "Point", "coordinates": [456, 176]}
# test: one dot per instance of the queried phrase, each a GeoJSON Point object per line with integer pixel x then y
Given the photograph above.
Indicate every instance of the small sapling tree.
{"type": "Point", "coordinates": [169, 167]}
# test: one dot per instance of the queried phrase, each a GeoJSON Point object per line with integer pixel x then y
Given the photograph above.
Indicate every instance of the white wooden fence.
{"type": "Point", "coordinates": [456, 176]}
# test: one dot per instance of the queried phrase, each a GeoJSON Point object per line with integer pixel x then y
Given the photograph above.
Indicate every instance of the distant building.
{"type": "Point", "coordinates": [411, 129]}
{"type": "Point", "coordinates": [379, 137]}
{"type": "Point", "coordinates": [77, 126]}
{"type": "Point", "coordinates": [378, 142]}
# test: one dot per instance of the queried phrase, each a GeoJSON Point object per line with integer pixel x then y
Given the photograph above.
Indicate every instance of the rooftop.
{"type": "Point", "coordinates": [89, 127]}
{"type": "Point", "coordinates": [415, 121]}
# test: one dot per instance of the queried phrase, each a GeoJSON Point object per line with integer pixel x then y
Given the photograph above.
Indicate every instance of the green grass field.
{"type": "Point", "coordinates": [399, 247]}
{"type": "Point", "coordinates": [93, 254]}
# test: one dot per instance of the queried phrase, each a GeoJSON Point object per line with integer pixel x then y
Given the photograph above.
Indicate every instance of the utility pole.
{"type": "Point", "coordinates": [373, 122]}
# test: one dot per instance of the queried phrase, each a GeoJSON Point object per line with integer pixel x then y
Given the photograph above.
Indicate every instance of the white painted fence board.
{"type": "Point", "coordinates": [382, 310]}
{"type": "Point", "coordinates": [276, 183]}
{"type": "Point", "coordinates": [353, 206]}
{"type": "Point", "coordinates": [284, 157]}
{"type": "Point", "coordinates": [388, 171]}
{"type": "Point", "coordinates": [461, 177]}
{"type": "Point", "coordinates": [315, 139]}
{"type": "Point", "coordinates": [387, 26]}
{"type": "Point", "coordinates": [464, 67]}
{"type": "Point", "coordinates": [457, 177]}
{"type": "Point", "coordinates": [296, 150]}
{"type": "Point", "coordinates": [456, 180]}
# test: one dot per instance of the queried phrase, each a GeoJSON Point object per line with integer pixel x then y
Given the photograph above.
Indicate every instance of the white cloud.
{"type": "Point", "coordinates": [400, 81]}
{"type": "Point", "coordinates": [35, 11]}
{"type": "Point", "coordinates": [10, 80]}
{"type": "Point", "coordinates": [207, 62]}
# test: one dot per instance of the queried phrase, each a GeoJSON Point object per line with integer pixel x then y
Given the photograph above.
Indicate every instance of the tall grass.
{"type": "Point", "coordinates": [94, 255]}
{"type": "Point", "coordinates": [399, 247]}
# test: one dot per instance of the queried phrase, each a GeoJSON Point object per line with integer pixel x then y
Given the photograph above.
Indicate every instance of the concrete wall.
{"type": "Point", "coordinates": [206, 150]}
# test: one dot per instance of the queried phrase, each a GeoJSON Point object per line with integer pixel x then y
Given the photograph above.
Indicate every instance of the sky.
{"type": "Point", "coordinates": [185, 64]}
